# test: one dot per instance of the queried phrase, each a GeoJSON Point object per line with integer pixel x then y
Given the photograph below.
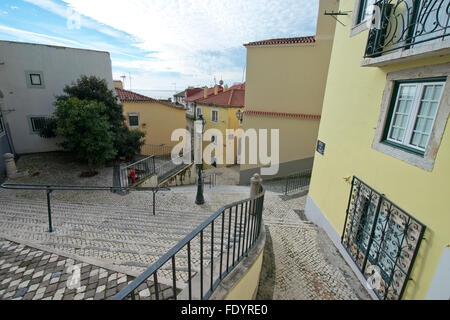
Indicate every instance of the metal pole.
{"type": "Point", "coordinates": [154, 198]}
{"type": "Point", "coordinates": [199, 199]}
{"type": "Point", "coordinates": [49, 210]}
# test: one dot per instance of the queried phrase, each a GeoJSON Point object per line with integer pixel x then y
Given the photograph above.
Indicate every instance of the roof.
{"type": "Point", "coordinates": [282, 41]}
{"type": "Point", "coordinates": [180, 94]}
{"type": "Point", "coordinates": [238, 86]}
{"type": "Point", "coordinates": [201, 94]}
{"type": "Point", "coordinates": [229, 98]}
{"type": "Point", "coordinates": [130, 96]}
{"type": "Point", "coordinates": [283, 114]}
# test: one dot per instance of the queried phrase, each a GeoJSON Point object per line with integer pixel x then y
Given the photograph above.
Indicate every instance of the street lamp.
{"type": "Point", "coordinates": [239, 115]}
{"type": "Point", "coordinates": [199, 198]}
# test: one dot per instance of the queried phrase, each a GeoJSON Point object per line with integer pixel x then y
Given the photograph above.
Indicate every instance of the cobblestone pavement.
{"type": "Point", "coordinates": [300, 261]}
{"type": "Point", "coordinates": [31, 274]}
{"type": "Point", "coordinates": [120, 235]}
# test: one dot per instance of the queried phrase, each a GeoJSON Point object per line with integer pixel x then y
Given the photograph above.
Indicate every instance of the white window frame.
{"type": "Point", "coordinates": [412, 118]}
{"type": "Point", "coordinates": [358, 26]}
{"type": "Point", "coordinates": [199, 113]}
{"type": "Point", "coordinates": [427, 160]}
{"type": "Point", "coordinates": [134, 114]}
{"type": "Point", "coordinates": [212, 118]}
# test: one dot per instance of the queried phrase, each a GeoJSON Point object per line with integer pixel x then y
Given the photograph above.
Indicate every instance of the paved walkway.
{"type": "Point", "coordinates": [119, 237]}
{"type": "Point", "coordinates": [300, 261]}
{"type": "Point", "coordinates": [32, 274]}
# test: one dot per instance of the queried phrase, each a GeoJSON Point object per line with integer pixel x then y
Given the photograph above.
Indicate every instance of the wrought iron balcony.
{"type": "Point", "coordinates": [405, 24]}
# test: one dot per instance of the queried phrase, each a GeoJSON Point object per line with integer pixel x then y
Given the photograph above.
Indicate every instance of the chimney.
{"type": "Point", "coordinates": [216, 90]}
{"type": "Point", "coordinates": [118, 84]}
{"type": "Point", "coordinates": [205, 93]}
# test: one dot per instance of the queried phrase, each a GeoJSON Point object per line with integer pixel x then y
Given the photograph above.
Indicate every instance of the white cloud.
{"type": "Point", "coordinates": [198, 39]}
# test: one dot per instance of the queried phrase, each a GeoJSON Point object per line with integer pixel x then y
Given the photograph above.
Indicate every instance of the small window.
{"type": "Point", "coordinates": [215, 116]}
{"type": "Point", "coordinates": [37, 123]}
{"type": "Point", "coordinates": [412, 115]}
{"type": "Point", "coordinates": [35, 79]}
{"type": "Point", "coordinates": [199, 111]}
{"type": "Point", "coordinates": [133, 120]}
{"type": "Point", "coordinates": [364, 10]}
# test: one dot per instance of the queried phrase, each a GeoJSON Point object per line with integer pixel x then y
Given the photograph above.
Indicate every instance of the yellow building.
{"type": "Point", "coordinates": [380, 183]}
{"type": "Point", "coordinates": [219, 111]}
{"type": "Point", "coordinates": [285, 87]}
{"type": "Point", "coordinates": [156, 118]}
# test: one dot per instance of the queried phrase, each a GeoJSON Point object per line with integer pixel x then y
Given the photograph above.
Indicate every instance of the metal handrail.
{"type": "Point", "coordinates": [48, 188]}
{"type": "Point", "coordinates": [254, 207]}
{"type": "Point", "coordinates": [297, 181]}
{"type": "Point", "coordinates": [145, 166]}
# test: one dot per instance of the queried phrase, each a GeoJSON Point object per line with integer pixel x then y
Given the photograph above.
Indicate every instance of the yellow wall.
{"type": "Point", "coordinates": [227, 120]}
{"type": "Point", "coordinates": [157, 120]}
{"type": "Point", "coordinates": [290, 79]}
{"type": "Point", "coordinates": [246, 288]}
{"type": "Point", "coordinates": [349, 118]}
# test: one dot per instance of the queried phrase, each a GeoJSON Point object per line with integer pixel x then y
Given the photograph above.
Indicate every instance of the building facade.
{"type": "Point", "coordinates": [219, 111]}
{"type": "Point", "coordinates": [380, 181]}
{"type": "Point", "coordinates": [284, 90]}
{"type": "Point", "coordinates": [157, 119]}
{"type": "Point", "coordinates": [31, 75]}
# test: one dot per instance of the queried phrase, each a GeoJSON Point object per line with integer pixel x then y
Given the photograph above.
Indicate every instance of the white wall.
{"type": "Point", "coordinates": [60, 66]}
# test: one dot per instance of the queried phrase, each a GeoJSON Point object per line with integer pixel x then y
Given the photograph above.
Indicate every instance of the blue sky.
{"type": "Point", "coordinates": [162, 44]}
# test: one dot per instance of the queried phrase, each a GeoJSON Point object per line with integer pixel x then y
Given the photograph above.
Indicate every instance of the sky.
{"type": "Point", "coordinates": [160, 44]}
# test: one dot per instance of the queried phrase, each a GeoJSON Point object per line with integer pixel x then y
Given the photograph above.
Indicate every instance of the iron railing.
{"type": "Point", "coordinates": [382, 239]}
{"type": "Point", "coordinates": [135, 173]}
{"type": "Point", "coordinates": [210, 179]}
{"type": "Point", "coordinates": [238, 227]}
{"type": "Point", "coordinates": [161, 151]}
{"type": "Point", "coordinates": [50, 188]}
{"type": "Point", "coordinates": [297, 181]}
{"type": "Point", "coordinates": [406, 24]}
{"type": "Point", "coordinates": [169, 167]}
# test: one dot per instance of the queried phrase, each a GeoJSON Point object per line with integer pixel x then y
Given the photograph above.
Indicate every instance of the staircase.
{"type": "Point", "coordinates": [131, 238]}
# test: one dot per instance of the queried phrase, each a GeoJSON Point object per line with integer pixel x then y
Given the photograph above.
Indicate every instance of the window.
{"type": "Point", "coordinates": [381, 238]}
{"type": "Point", "coordinates": [37, 123]}
{"type": "Point", "coordinates": [364, 10]}
{"type": "Point", "coordinates": [414, 109]}
{"type": "Point", "coordinates": [199, 111]}
{"type": "Point", "coordinates": [35, 79]}
{"type": "Point", "coordinates": [407, 145]}
{"type": "Point", "coordinates": [215, 116]}
{"type": "Point", "coordinates": [133, 120]}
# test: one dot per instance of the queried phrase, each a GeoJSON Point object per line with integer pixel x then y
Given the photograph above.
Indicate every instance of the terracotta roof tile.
{"type": "Point", "coordinates": [282, 41]}
{"type": "Point", "coordinates": [130, 96]}
{"type": "Point", "coordinates": [230, 98]}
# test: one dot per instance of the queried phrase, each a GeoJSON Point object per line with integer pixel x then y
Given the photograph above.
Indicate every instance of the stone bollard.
{"type": "Point", "coordinates": [255, 185]}
{"type": "Point", "coordinates": [11, 170]}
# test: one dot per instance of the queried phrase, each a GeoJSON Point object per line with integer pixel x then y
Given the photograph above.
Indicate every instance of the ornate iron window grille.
{"type": "Point", "coordinates": [378, 235]}
{"type": "Point", "coordinates": [407, 23]}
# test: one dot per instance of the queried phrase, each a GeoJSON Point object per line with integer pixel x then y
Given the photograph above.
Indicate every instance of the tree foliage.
{"type": "Point", "coordinates": [86, 130]}
{"type": "Point", "coordinates": [125, 142]}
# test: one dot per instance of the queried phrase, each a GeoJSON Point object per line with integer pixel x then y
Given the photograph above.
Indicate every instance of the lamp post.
{"type": "Point", "coordinates": [199, 198]}
{"type": "Point", "coordinates": [239, 115]}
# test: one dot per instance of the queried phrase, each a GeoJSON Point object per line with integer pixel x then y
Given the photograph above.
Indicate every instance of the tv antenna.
{"type": "Point", "coordinates": [334, 15]}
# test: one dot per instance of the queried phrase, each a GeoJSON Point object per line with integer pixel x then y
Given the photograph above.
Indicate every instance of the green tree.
{"type": "Point", "coordinates": [126, 142]}
{"type": "Point", "coordinates": [86, 130]}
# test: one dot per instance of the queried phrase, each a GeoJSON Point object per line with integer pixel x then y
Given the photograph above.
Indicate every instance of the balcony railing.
{"type": "Point", "coordinates": [382, 239]}
{"type": "Point", "coordinates": [215, 247]}
{"type": "Point", "coordinates": [405, 24]}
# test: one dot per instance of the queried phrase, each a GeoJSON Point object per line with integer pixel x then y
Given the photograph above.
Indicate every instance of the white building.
{"type": "Point", "coordinates": [31, 75]}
